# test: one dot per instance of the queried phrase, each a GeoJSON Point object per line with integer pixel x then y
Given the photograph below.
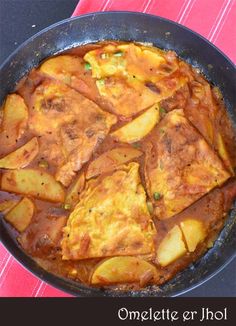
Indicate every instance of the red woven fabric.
{"type": "Point", "coordinates": [214, 19]}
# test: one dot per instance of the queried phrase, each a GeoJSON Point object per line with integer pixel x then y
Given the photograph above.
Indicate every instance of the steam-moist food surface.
{"type": "Point", "coordinates": [117, 165]}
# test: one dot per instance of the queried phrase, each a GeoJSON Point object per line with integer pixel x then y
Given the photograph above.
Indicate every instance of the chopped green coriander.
{"type": "Point", "coordinates": [118, 54]}
{"type": "Point", "coordinates": [162, 110]}
{"type": "Point", "coordinates": [87, 66]}
{"type": "Point", "coordinates": [157, 195]}
{"type": "Point", "coordinates": [67, 206]}
{"type": "Point", "coordinates": [136, 145]}
{"type": "Point", "coordinates": [101, 81]}
{"type": "Point", "coordinates": [150, 207]}
{"type": "Point", "coordinates": [43, 164]}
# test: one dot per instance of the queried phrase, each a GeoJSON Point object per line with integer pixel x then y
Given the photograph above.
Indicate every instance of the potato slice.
{"type": "Point", "coordinates": [124, 270]}
{"type": "Point", "coordinates": [6, 205]}
{"type": "Point", "coordinates": [61, 67]}
{"type": "Point", "coordinates": [171, 248]}
{"type": "Point", "coordinates": [72, 196]}
{"type": "Point", "coordinates": [73, 71]}
{"type": "Point", "coordinates": [21, 215]}
{"type": "Point", "coordinates": [194, 233]}
{"type": "Point", "coordinates": [15, 116]}
{"type": "Point", "coordinates": [110, 160]}
{"type": "Point", "coordinates": [21, 157]}
{"type": "Point", "coordinates": [32, 182]}
{"type": "Point", "coordinates": [139, 127]}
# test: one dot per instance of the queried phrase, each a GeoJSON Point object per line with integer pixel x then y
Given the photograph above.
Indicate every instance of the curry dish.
{"type": "Point", "coordinates": [117, 165]}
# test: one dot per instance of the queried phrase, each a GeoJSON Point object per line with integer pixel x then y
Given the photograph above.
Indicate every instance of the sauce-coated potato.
{"type": "Point", "coordinates": [124, 270]}
{"type": "Point", "coordinates": [15, 117]}
{"type": "Point", "coordinates": [139, 127]}
{"type": "Point", "coordinates": [171, 248]}
{"type": "Point", "coordinates": [21, 215]}
{"type": "Point", "coordinates": [34, 183]}
{"type": "Point", "coordinates": [20, 157]}
{"type": "Point", "coordinates": [194, 233]}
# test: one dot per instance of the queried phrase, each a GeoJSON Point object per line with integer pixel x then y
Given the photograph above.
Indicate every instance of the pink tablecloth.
{"type": "Point", "coordinates": [214, 19]}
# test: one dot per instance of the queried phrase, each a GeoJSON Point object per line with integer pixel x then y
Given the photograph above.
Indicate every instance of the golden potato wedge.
{"type": "Point", "coordinates": [21, 215]}
{"type": "Point", "coordinates": [61, 67]}
{"type": "Point", "coordinates": [72, 196]}
{"type": "Point", "coordinates": [6, 205]}
{"type": "Point", "coordinates": [194, 233]}
{"type": "Point", "coordinates": [124, 269]}
{"type": "Point", "coordinates": [110, 160]}
{"type": "Point", "coordinates": [139, 127]}
{"type": "Point", "coordinates": [171, 248]}
{"type": "Point", "coordinates": [71, 70]}
{"type": "Point", "coordinates": [32, 182]}
{"type": "Point", "coordinates": [21, 157]}
{"type": "Point", "coordinates": [15, 116]}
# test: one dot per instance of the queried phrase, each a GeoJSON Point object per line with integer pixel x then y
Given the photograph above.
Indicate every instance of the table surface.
{"type": "Point", "coordinates": [20, 19]}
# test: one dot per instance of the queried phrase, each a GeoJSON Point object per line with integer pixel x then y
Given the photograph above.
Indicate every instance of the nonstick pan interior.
{"type": "Point", "coordinates": [162, 33]}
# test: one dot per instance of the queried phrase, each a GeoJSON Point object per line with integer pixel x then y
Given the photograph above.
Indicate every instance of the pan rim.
{"type": "Point", "coordinates": [82, 289]}
{"type": "Point", "coordinates": [98, 13]}
{"type": "Point", "coordinates": [54, 279]}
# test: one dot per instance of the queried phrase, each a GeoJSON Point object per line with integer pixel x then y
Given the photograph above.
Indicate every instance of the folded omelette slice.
{"type": "Point", "coordinates": [180, 166]}
{"type": "Point", "coordinates": [70, 127]}
{"type": "Point", "coordinates": [111, 219]}
{"type": "Point", "coordinates": [133, 77]}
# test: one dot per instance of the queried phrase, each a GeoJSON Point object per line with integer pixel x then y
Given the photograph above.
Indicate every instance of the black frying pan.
{"type": "Point", "coordinates": [164, 34]}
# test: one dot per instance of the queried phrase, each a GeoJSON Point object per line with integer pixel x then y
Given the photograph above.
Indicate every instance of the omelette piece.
{"type": "Point", "coordinates": [132, 77]}
{"type": "Point", "coordinates": [70, 126]}
{"type": "Point", "coordinates": [129, 96]}
{"type": "Point", "coordinates": [130, 59]}
{"type": "Point", "coordinates": [73, 71]}
{"type": "Point", "coordinates": [111, 219]}
{"type": "Point", "coordinates": [180, 166]}
{"type": "Point", "coordinates": [211, 120]}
